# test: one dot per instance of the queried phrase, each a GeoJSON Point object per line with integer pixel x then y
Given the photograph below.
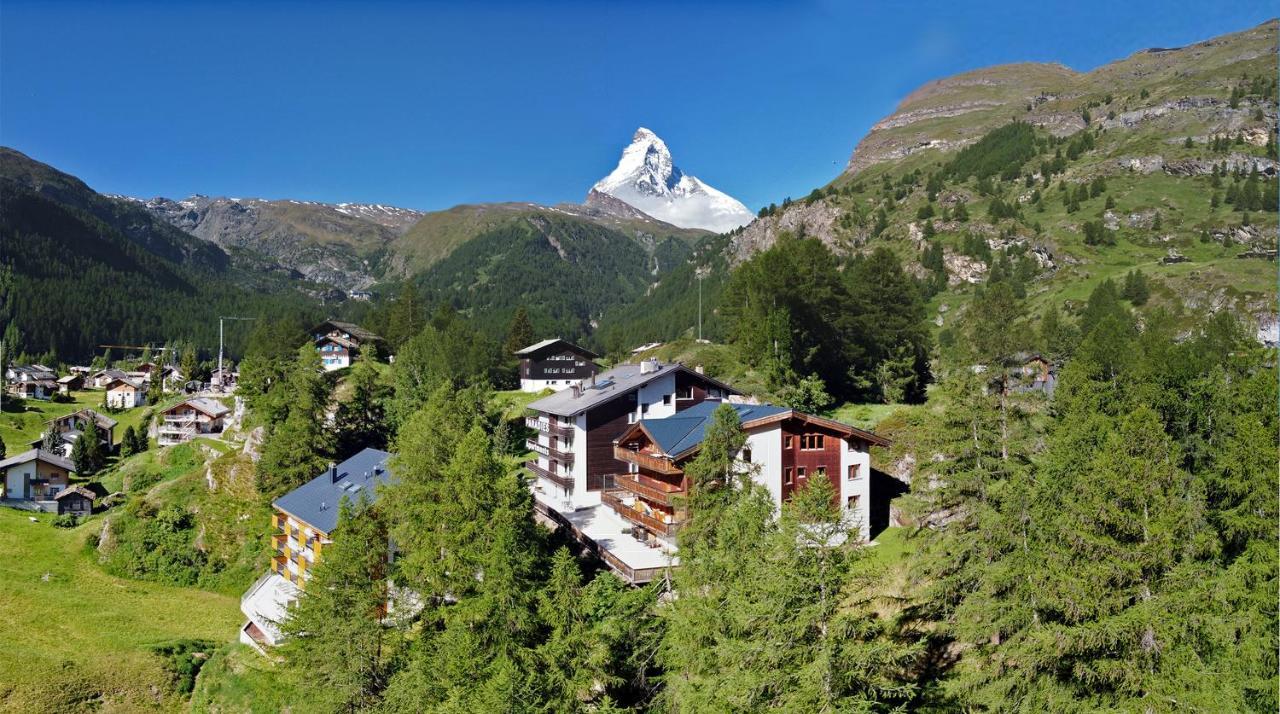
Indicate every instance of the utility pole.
{"type": "Point", "coordinates": [700, 276]}
{"type": "Point", "coordinates": [221, 376]}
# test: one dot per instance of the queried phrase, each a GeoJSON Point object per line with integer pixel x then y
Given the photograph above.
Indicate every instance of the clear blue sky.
{"type": "Point", "coordinates": [430, 104]}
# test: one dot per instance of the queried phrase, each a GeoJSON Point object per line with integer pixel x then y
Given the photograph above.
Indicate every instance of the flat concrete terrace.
{"type": "Point", "coordinates": [604, 531]}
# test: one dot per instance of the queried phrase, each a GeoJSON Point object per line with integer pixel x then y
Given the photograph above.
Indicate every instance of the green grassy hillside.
{"type": "Point", "coordinates": [76, 638]}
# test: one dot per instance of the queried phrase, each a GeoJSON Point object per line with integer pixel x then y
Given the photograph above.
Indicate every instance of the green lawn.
{"type": "Point", "coordinates": [75, 637]}
{"type": "Point", "coordinates": [513, 402]}
{"type": "Point", "coordinates": [238, 679]}
{"type": "Point", "coordinates": [864, 416]}
{"type": "Point", "coordinates": [19, 429]}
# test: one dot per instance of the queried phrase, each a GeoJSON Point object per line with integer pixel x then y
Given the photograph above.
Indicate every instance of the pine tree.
{"type": "Point", "coordinates": [336, 640]}
{"type": "Point", "coordinates": [298, 448]}
{"type": "Point", "coordinates": [127, 441]}
{"type": "Point", "coordinates": [769, 614]}
{"type": "Point", "coordinates": [1057, 337]}
{"type": "Point", "coordinates": [520, 334]}
{"type": "Point", "coordinates": [360, 421]}
{"type": "Point", "coordinates": [87, 454]}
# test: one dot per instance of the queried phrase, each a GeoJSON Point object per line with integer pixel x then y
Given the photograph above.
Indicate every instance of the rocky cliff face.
{"type": "Point", "coordinates": [1160, 124]}
{"type": "Point", "coordinates": [950, 113]}
{"type": "Point", "coordinates": [332, 244]}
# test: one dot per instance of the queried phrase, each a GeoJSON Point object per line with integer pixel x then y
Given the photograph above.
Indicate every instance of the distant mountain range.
{"type": "Point", "coordinates": [631, 255]}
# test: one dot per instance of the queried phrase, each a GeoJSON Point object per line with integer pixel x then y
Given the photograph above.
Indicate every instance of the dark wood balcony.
{"type": "Point", "coordinates": [648, 488]}
{"type": "Point", "coordinates": [613, 499]}
{"type": "Point", "coordinates": [565, 457]}
{"type": "Point", "coordinates": [559, 480]}
{"type": "Point", "coordinates": [548, 426]}
{"type": "Point", "coordinates": [656, 464]}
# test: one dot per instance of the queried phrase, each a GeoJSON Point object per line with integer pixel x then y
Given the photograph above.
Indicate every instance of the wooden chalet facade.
{"type": "Point", "coordinates": [576, 427]}
{"type": "Point", "coordinates": [339, 343]}
{"type": "Point", "coordinates": [555, 364]}
{"type": "Point", "coordinates": [185, 421]}
{"type": "Point", "coordinates": [787, 449]}
{"type": "Point", "coordinates": [575, 464]}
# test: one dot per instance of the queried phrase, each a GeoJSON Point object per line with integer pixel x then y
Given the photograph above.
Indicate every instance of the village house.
{"type": "Point", "coordinates": [34, 478]}
{"type": "Point", "coordinates": [302, 523]}
{"type": "Point", "coordinates": [70, 383]}
{"type": "Point", "coordinates": [126, 393]}
{"type": "Point", "coordinates": [75, 500]}
{"type": "Point", "coordinates": [555, 364]}
{"type": "Point", "coordinates": [183, 422]}
{"type": "Point", "coordinates": [70, 427]}
{"type": "Point", "coordinates": [785, 450]}
{"type": "Point", "coordinates": [339, 343]}
{"type": "Point", "coordinates": [104, 377]}
{"type": "Point", "coordinates": [34, 381]}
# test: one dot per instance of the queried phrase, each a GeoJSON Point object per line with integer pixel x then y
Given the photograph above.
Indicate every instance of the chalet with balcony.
{"type": "Point", "coordinates": [339, 343]}
{"type": "Point", "coordinates": [786, 449]}
{"type": "Point", "coordinates": [555, 364]}
{"type": "Point", "coordinates": [574, 452]}
{"type": "Point", "coordinates": [34, 381]}
{"type": "Point", "coordinates": [183, 422]}
{"type": "Point", "coordinates": [573, 446]}
{"type": "Point", "coordinates": [70, 427]}
{"type": "Point", "coordinates": [302, 524]}
{"type": "Point", "coordinates": [34, 478]}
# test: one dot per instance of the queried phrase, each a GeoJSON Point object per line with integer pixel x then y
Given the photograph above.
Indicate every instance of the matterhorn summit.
{"type": "Point", "coordinates": [647, 179]}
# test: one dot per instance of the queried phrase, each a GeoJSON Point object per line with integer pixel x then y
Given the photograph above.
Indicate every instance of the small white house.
{"type": "Point", "coordinates": [125, 393]}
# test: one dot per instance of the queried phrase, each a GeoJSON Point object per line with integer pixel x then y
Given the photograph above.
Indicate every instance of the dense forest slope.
{"type": "Point", "coordinates": [1136, 165]}
{"type": "Point", "coordinates": [566, 270]}
{"type": "Point", "coordinates": [79, 269]}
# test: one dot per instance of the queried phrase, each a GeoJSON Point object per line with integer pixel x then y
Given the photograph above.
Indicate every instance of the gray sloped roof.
{"type": "Point", "coordinates": [609, 385]}
{"type": "Point", "coordinates": [316, 502]}
{"type": "Point", "coordinates": [350, 328]}
{"type": "Point", "coordinates": [540, 346]}
{"type": "Point", "coordinates": [38, 455]}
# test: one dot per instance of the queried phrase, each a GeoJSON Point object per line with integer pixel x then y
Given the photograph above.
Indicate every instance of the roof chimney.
{"type": "Point", "coordinates": [700, 370]}
{"type": "Point", "coordinates": [333, 472]}
{"type": "Point", "coordinates": [577, 389]}
{"type": "Point", "coordinates": [648, 366]}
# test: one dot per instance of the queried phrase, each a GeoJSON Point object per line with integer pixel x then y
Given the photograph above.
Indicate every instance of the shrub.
{"type": "Point", "coordinates": [66, 520]}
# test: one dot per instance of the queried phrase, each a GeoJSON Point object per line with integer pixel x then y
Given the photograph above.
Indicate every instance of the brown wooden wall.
{"type": "Point", "coordinates": [604, 424]}
{"type": "Point", "coordinates": [795, 457]}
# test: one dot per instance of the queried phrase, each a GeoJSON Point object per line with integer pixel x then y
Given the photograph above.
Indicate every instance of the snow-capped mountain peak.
{"type": "Point", "coordinates": [648, 179]}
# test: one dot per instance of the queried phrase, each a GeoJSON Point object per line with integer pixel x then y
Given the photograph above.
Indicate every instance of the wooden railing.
{"type": "Point", "coordinates": [645, 487]}
{"type": "Point", "coordinates": [635, 576]}
{"type": "Point", "coordinates": [548, 426]}
{"type": "Point", "coordinates": [559, 480]}
{"type": "Point", "coordinates": [614, 501]}
{"type": "Point", "coordinates": [657, 464]}
{"type": "Point", "coordinates": [549, 451]}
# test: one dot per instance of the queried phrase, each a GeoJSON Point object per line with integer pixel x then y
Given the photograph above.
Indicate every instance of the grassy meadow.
{"type": "Point", "coordinates": [77, 638]}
